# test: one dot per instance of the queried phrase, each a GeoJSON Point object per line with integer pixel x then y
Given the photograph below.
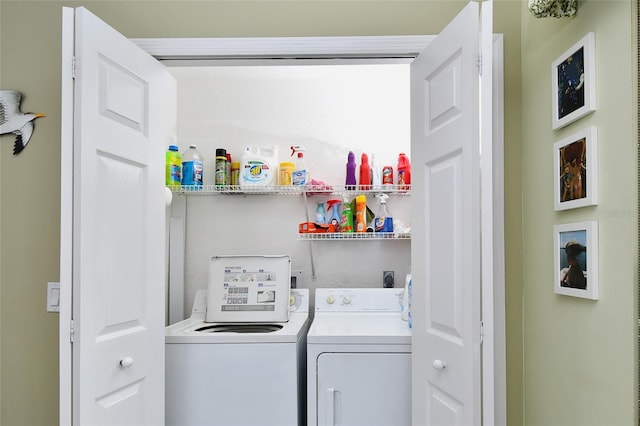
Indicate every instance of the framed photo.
{"type": "Point", "coordinates": [576, 259]}
{"type": "Point", "coordinates": [575, 169]}
{"type": "Point", "coordinates": [573, 77]}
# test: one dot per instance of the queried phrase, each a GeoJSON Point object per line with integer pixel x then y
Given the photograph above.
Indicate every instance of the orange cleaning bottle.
{"type": "Point", "coordinates": [361, 213]}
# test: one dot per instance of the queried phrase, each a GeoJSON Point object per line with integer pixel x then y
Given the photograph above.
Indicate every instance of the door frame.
{"type": "Point", "coordinates": [371, 50]}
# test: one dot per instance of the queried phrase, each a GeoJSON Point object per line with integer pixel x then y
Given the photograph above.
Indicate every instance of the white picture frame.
{"type": "Point", "coordinates": [575, 168]}
{"type": "Point", "coordinates": [576, 259]}
{"type": "Point", "coordinates": [573, 77]}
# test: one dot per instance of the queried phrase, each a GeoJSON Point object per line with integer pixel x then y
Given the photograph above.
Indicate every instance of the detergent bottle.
{"type": "Point", "coordinates": [350, 181]}
{"type": "Point", "coordinates": [346, 218]}
{"type": "Point", "coordinates": [334, 215]}
{"type": "Point", "coordinates": [383, 221]}
{"type": "Point", "coordinates": [301, 175]}
{"type": "Point", "coordinates": [192, 168]}
{"type": "Point", "coordinates": [404, 172]}
{"type": "Point", "coordinates": [365, 172]}
{"type": "Point", "coordinates": [258, 167]}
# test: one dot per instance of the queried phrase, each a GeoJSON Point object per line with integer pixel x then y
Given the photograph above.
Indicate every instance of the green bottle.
{"type": "Point", "coordinates": [346, 219]}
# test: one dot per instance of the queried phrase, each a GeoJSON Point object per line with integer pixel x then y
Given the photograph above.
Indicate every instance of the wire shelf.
{"type": "Point", "coordinates": [353, 236]}
{"type": "Point", "coordinates": [310, 190]}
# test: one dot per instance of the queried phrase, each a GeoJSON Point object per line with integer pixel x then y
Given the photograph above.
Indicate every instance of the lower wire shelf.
{"type": "Point", "coordinates": [342, 236]}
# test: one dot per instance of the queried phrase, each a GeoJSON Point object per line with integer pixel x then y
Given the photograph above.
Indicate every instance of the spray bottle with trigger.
{"type": "Point", "coordinates": [334, 218]}
{"type": "Point", "coordinates": [383, 221]}
{"type": "Point", "coordinates": [300, 174]}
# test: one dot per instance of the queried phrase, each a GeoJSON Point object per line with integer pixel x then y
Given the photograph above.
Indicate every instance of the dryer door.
{"type": "Point", "coordinates": [364, 389]}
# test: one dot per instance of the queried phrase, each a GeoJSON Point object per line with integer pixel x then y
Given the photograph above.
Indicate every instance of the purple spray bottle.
{"type": "Point", "coordinates": [350, 182]}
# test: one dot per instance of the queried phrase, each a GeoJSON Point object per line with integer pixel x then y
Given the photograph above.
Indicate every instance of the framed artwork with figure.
{"type": "Point", "coordinates": [576, 259]}
{"type": "Point", "coordinates": [573, 77]}
{"type": "Point", "coordinates": [575, 168]}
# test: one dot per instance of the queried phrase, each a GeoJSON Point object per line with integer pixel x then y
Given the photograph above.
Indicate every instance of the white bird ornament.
{"type": "Point", "coordinates": [12, 120]}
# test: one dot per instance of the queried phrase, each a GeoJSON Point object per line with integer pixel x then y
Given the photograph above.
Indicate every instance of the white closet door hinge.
{"type": "Point", "coordinates": [71, 331]}
{"type": "Point", "coordinates": [480, 65]}
{"type": "Point", "coordinates": [73, 67]}
{"type": "Point", "coordinates": [481, 332]}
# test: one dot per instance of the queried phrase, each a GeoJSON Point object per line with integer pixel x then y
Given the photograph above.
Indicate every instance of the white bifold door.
{"type": "Point", "coordinates": [450, 139]}
{"type": "Point", "coordinates": [122, 110]}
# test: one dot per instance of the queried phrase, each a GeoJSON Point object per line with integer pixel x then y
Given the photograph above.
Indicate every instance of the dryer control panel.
{"type": "Point", "coordinates": [358, 300]}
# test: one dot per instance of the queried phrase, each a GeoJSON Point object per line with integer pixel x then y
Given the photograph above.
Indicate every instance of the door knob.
{"type": "Point", "coordinates": [126, 362]}
{"type": "Point", "coordinates": [439, 365]}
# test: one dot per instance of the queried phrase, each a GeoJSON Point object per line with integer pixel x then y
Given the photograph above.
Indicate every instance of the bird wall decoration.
{"type": "Point", "coordinates": [13, 120]}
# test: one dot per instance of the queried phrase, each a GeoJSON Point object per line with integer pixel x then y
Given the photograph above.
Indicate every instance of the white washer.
{"type": "Point", "coordinates": [237, 376]}
{"type": "Point", "coordinates": [358, 359]}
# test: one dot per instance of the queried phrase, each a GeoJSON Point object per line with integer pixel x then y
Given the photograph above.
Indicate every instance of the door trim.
{"type": "Point", "coordinates": [362, 47]}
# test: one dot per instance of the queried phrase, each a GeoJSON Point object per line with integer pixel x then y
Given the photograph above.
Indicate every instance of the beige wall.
{"type": "Point", "coordinates": [580, 361]}
{"type": "Point", "coordinates": [29, 183]}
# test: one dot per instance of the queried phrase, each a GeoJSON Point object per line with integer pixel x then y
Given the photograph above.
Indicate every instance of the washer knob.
{"type": "Point", "coordinates": [331, 299]}
{"type": "Point", "coordinates": [346, 300]}
{"type": "Point", "coordinates": [292, 300]}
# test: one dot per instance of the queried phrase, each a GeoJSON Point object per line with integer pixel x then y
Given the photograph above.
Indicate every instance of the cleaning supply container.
{"type": "Point", "coordinates": [192, 168]}
{"type": "Point", "coordinates": [346, 217]}
{"type": "Point", "coordinates": [334, 215]}
{"type": "Point", "coordinates": [350, 180]}
{"type": "Point", "coordinates": [173, 158]}
{"type": "Point", "coordinates": [365, 172]}
{"type": "Point", "coordinates": [221, 167]}
{"type": "Point", "coordinates": [404, 172]}
{"type": "Point", "coordinates": [286, 173]}
{"type": "Point", "coordinates": [383, 221]}
{"type": "Point", "coordinates": [301, 175]}
{"type": "Point", "coordinates": [258, 167]}
{"type": "Point", "coordinates": [361, 213]}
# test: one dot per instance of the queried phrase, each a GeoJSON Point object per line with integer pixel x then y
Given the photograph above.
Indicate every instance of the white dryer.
{"type": "Point", "coordinates": [358, 359]}
{"type": "Point", "coordinates": [244, 374]}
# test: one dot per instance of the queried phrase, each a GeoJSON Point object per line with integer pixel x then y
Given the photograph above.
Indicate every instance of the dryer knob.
{"type": "Point", "coordinates": [331, 299]}
{"type": "Point", "coordinates": [292, 300]}
{"type": "Point", "coordinates": [346, 300]}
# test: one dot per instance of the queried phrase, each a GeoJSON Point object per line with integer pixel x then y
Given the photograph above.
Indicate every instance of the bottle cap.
{"type": "Point", "coordinates": [173, 147]}
{"type": "Point", "coordinates": [221, 152]}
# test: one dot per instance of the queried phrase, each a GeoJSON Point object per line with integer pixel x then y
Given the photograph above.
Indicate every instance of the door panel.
{"type": "Point", "coordinates": [124, 108]}
{"type": "Point", "coordinates": [365, 389]}
{"type": "Point", "coordinates": [446, 257]}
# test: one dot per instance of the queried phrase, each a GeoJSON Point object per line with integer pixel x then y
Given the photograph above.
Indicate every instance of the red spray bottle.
{"type": "Point", "coordinates": [365, 172]}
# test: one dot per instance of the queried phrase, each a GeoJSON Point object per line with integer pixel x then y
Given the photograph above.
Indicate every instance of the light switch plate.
{"type": "Point", "coordinates": [53, 297]}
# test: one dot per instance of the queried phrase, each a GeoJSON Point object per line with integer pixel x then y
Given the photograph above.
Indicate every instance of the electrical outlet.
{"type": "Point", "coordinates": [296, 278]}
{"type": "Point", "coordinates": [388, 279]}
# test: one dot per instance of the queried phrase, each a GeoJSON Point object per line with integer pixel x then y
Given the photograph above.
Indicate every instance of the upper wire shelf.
{"type": "Point", "coordinates": [309, 190]}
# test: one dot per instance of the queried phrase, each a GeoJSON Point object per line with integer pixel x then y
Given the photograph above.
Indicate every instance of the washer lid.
{"type": "Point", "coordinates": [195, 331]}
{"type": "Point", "coordinates": [249, 289]}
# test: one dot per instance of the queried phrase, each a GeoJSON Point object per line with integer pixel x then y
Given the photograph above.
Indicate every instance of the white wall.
{"type": "Point", "coordinates": [328, 109]}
